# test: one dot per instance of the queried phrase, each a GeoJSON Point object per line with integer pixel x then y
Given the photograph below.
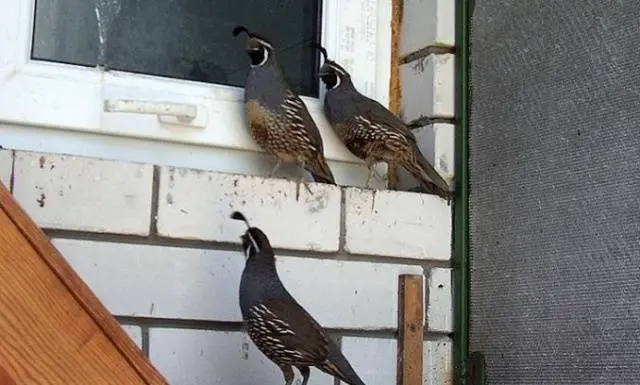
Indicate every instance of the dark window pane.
{"type": "Point", "coordinates": [186, 39]}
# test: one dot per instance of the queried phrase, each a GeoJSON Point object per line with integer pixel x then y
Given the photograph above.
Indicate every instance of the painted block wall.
{"type": "Point", "coordinates": [156, 244]}
{"type": "Point", "coordinates": [427, 78]}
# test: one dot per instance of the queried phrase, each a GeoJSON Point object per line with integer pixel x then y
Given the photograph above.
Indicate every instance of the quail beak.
{"type": "Point", "coordinates": [323, 72]}
{"type": "Point", "coordinates": [244, 239]}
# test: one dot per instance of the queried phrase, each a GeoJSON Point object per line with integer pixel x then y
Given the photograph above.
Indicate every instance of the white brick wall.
{"type": "Point", "coordinates": [195, 357]}
{"type": "Point", "coordinates": [356, 295]}
{"type": "Point", "coordinates": [439, 310]}
{"type": "Point", "coordinates": [186, 282]}
{"type": "Point", "coordinates": [437, 143]}
{"type": "Point", "coordinates": [6, 164]}
{"type": "Point", "coordinates": [196, 205]}
{"type": "Point", "coordinates": [426, 23]}
{"type": "Point", "coordinates": [375, 360]}
{"type": "Point", "coordinates": [135, 333]}
{"type": "Point", "coordinates": [204, 357]}
{"type": "Point", "coordinates": [63, 192]}
{"type": "Point", "coordinates": [428, 87]}
{"type": "Point", "coordinates": [437, 362]}
{"type": "Point", "coordinates": [397, 224]}
{"type": "Point", "coordinates": [428, 80]}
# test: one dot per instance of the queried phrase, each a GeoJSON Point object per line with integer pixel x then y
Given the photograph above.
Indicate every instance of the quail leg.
{"type": "Point", "coordinates": [372, 173]}
{"type": "Point", "coordinates": [300, 162]}
{"type": "Point", "coordinates": [287, 372]}
{"type": "Point", "coordinates": [304, 370]}
{"type": "Point", "coordinates": [370, 163]}
{"type": "Point", "coordinates": [303, 182]}
{"type": "Point", "coordinates": [380, 178]}
{"type": "Point", "coordinates": [392, 177]}
{"type": "Point", "coordinates": [368, 183]}
{"type": "Point", "coordinates": [275, 167]}
{"type": "Point", "coordinates": [306, 184]}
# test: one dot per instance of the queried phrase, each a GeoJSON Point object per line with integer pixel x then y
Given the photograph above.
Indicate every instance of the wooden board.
{"type": "Point", "coordinates": [53, 328]}
{"type": "Point", "coordinates": [410, 329]}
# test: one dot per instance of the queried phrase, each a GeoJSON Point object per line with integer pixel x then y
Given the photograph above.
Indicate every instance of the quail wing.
{"type": "Point", "coordinates": [284, 331]}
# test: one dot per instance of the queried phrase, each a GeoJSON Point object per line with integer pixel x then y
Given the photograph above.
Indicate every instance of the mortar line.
{"type": "Point", "coordinates": [426, 51]}
{"type": "Point", "coordinates": [342, 237]}
{"type": "Point", "coordinates": [12, 176]}
{"type": "Point", "coordinates": [145, 340]}
{"type": "Point", "coordinates": [423, 121]}
{"type": "Point", "coordinates": [233, 247]}
{"type": "Point", "coordinates": [238, 326]}
{"type": "Point", "coordinates": [155, 202]}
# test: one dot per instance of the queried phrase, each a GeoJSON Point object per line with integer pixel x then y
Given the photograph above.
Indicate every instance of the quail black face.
{"type": "Point", "coordinates": [331, 73]}
{"type": "Point", "coordinates": [257, 47]}
{"type": "Point", "coordinates": [253, 240]}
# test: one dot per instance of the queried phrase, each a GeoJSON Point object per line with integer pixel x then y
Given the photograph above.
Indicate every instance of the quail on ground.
{"type": "Point", "coordinates": [372, 132]}
{"type": "Point", "coordinates": [277, 324]}
{"type": "Point", "coordinates": [279, 121]}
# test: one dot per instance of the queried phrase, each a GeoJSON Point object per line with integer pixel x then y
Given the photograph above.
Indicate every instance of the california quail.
{"type": "Point", "coordinates": [372, 132]}
{"type": "Point", "coordinates": [281, 328]}
{"type": "Point", "coordinates": [278, 120]}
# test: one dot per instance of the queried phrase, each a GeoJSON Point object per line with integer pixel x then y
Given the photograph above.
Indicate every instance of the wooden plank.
{"type": "Point", "coordinates": [410, 329]}
{"type": "Point", "coordinates": [395, 88]}
{"type": "Point", "coordinates": [65, 322]}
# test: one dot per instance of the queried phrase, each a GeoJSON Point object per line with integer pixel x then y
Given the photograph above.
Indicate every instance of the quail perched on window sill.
{"type": "Point", "coordinates": [279, 121]}
{"type": "Point", "coordinates": [372, 132]}
{"type": "Point", "coordinates": [279, 326]}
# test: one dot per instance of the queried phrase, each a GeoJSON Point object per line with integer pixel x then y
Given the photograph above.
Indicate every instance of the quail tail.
{"type": "Point", "coordinates": [338, 366]}
{"type": "Point", "coordinates": [429, 178]}
{"type": "Point", "coordinates": [320, 170]}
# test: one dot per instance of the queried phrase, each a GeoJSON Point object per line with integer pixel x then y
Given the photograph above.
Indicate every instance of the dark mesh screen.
{"type": "Point", "coordinates": [555, 181]}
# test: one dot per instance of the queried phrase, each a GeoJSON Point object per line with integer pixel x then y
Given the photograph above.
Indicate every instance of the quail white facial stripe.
{"type": "Point", "coordinates": [265, 52]}
{"type": "Point", "coordinates": [338, 81]}
{"type": "Point", "coordinates": [264, 42]}
{"type": "Point", "coordinates": [247, 250]}
{"type": "Point", "coordinates": [253, 241]}
{"type": "Point", "coordinates": [338, 69]}
{"type": "Point", "coordinates": [266, 56]}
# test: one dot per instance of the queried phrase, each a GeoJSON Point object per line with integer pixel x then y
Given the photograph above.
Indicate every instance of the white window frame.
{"type": "Point", "coordinates": [72, 98]}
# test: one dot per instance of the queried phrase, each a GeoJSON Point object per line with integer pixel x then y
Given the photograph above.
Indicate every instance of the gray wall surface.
{"type": "Point", "coordinates": [555, 180]}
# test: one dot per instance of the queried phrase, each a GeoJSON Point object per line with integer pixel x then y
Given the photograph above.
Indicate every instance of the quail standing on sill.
{"type": "Point", "coordinates": [278, 120]}
{"type": "Point", "coordinates": [279, 326]}
{"type": "Point", "coordinates": [372, 132]}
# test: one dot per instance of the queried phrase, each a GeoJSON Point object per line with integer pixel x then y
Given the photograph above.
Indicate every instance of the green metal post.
{"type": "Point", "coordinates": [461, 204]}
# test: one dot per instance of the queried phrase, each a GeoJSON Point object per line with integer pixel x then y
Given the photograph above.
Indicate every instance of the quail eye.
{"type": "Point", "coordinates": [331, 80]}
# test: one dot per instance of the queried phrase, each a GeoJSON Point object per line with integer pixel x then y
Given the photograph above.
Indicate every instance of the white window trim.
{"type": "Point", "coordinates": [67, 97]}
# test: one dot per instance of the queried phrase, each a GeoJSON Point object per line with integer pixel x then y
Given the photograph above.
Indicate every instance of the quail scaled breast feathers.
{"type": "Point", "coordinates": [279, 121]}
{"type": "Point", "coordinates": [372, 132]}
{"type": "Point", "coordinates": [277, 324]}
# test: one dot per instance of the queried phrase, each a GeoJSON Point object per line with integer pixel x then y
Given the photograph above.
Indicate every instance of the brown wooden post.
{"type": "Point", "coordinates": [410, 329]}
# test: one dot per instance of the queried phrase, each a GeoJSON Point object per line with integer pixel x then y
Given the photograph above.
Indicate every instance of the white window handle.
{"type": "Point", "coordinates": [167, 112]}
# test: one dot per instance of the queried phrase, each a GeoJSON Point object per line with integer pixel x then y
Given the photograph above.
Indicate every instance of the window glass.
{"type": "Point", "coordinates": [185, 39]}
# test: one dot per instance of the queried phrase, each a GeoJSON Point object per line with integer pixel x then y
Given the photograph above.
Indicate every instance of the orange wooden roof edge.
{"type": "Point", "coordinates": [81, 292]}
